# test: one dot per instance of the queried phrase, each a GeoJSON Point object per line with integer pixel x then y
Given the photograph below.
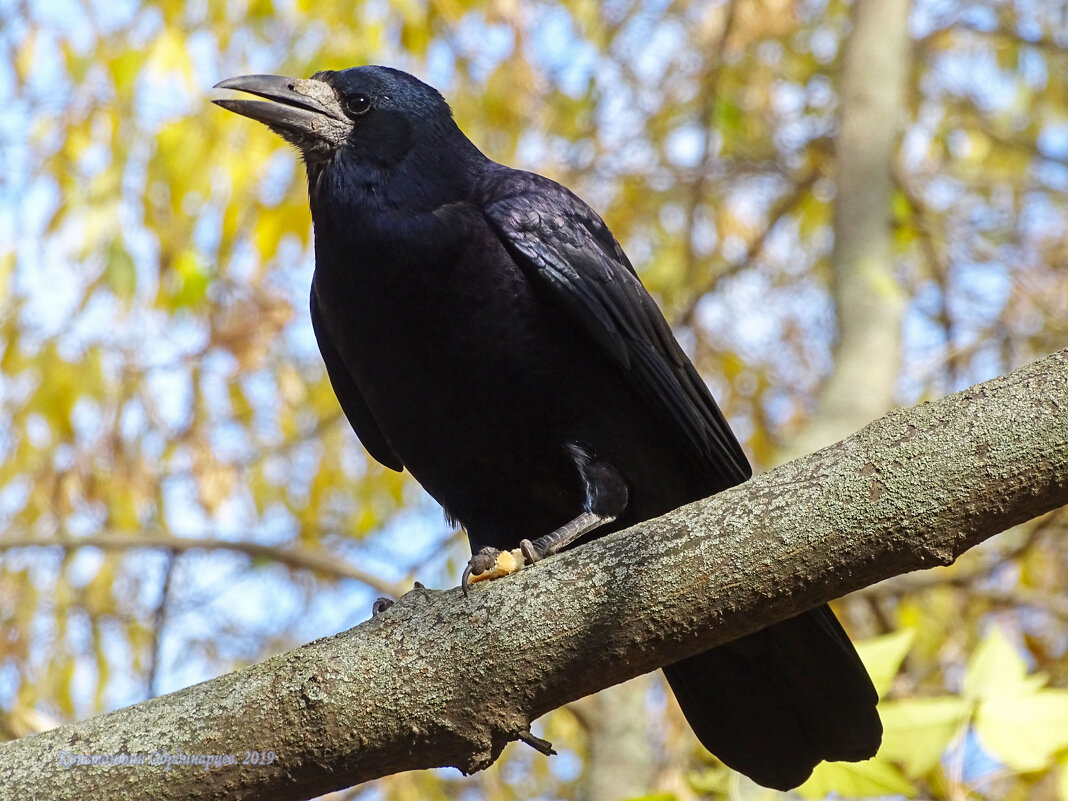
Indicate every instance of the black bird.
{"type": "Point", "coordinates": [482, 328]}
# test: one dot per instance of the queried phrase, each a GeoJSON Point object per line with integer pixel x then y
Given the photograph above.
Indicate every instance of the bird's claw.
{"type": "Point", "coordinates": [380, 606]}
{"type": "Point", "coordinates": [492, 563]}
{"type": "Point", "coordinates": [530, 553]}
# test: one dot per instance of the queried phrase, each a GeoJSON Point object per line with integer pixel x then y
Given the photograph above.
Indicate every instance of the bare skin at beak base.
{"type": "Point", "coordinates": [305, 112]}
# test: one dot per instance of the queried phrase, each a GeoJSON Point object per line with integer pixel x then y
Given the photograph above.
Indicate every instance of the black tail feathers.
{"type": "Point", "coordinates": [775, 704]}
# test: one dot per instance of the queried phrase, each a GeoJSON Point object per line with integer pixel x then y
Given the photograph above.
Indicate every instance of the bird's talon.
{"type": "Point", "coordinates": [478, 566]}
{"type": "Point", "coordinates": [464, 579]}
{"type": "Point", "coordinates": [380, 606]}
{"type": "Point", "coordinates": [530, 553]}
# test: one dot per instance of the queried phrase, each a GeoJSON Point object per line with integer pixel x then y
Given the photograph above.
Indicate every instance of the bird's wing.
{"type": "Point", "coordinates": [561, 242]}
{"type": "Point", "coordinates": [348, 394]}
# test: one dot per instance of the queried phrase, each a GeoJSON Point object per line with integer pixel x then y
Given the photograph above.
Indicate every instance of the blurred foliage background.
{"type": "Point", "coordinates": [841, 207]}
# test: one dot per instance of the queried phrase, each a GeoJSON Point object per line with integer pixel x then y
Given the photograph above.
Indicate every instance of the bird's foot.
{"type": "Point", "coordinates": [382, 604]}
{"type": "Point", "coordinates": [491, 563]}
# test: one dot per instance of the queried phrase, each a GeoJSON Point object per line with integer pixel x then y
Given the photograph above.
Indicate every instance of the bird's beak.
{"type": "Point", "coordinates": [305, 112]}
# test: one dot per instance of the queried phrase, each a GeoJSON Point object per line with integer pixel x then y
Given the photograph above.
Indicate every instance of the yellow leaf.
{"type": "Point", "coordinates": [882, 656]}
{"type": "Point", "coordinates": [1025, 732]}
{"type": "Point", "coordinates": [26, 55]}
{"type": "Point", "coordinates": [873, 777]}
{"type": "Point", "coordinates": [124, 70]}
{"type": "Point", "coordinates": [192, 278]}
{"type": "Point", "coordinates": [98, 595]}
{"type": "Point", "coordinates": [997, 669]}
{"type": "Point", "coordinates": [916, 731]}
{"type": "Point", "coordinates": [260, 9]}
{"type": "Point", "coordinates": [122, 511]}
{"type": "Point", "coordinates": [169, 54]}
{"type": "Point", "coordinates": [240, 407]}
{"type": "Point", "coordinates": [103, 669]}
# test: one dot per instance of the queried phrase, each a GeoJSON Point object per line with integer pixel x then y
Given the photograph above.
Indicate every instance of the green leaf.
{"type": "Point", "coordinates": [727, 116]}
{"type": "Point", "coordinates": [714, 781]}
{"type": "Point", "coordinates": [191, 278]}
{"type": "Point", "coordinates": [875, 777]}
{"type": "Point", "coordinates": [882, 656]}
{"type": "Point", "coordinates": [916, 731]}
{"type": "Point", "coordinates": [121, 273]}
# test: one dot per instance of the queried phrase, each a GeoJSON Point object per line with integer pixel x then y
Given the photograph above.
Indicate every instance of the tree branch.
{"type": "Point", "coordinates": [1012, 597]}
{"type": "Point", "coordinates": [440, 680]}
{"type": "Point", "coordinates": [297, 558]}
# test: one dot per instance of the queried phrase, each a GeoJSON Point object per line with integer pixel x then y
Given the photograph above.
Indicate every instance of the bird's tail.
{"type": "Point", "coordinates": [774, 704]}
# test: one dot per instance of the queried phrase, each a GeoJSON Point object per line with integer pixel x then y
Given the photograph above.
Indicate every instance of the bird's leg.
{"type": "Point", "coordinates": [557, 540]}
{"type": "Point", "coordinates": [606, 498]}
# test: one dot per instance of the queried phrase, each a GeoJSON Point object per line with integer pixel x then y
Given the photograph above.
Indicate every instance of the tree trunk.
{"type": "Point", "coordinates": [619, 755]}
{"type": "Point", "coordinates": [868, 299]}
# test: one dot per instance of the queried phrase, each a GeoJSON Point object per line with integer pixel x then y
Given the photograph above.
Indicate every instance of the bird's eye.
{"type": "Point", "coordinates": [357, 105]}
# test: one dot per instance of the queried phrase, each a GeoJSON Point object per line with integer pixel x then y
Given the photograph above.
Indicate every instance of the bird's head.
{"type": "Point", "coordinates": [371, 116]}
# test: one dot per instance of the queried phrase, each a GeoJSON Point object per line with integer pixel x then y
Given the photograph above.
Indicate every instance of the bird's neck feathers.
{"type": "Point", "coordinates": [372, 213]}
{"type": "Point", "coordinates": [357, 187]}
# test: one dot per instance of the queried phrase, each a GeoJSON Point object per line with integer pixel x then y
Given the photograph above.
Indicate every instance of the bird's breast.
{"type": "Point", "coordinates": [474, 378]}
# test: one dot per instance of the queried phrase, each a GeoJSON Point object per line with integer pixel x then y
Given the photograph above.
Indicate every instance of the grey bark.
{"type": "Point", "coordinates": [869, 302]}
{"type": "Point", "coordinates": [442, 680]}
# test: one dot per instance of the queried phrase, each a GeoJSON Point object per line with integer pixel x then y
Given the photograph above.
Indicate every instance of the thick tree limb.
{"type": "Point", "coordinates": [440, 680]}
